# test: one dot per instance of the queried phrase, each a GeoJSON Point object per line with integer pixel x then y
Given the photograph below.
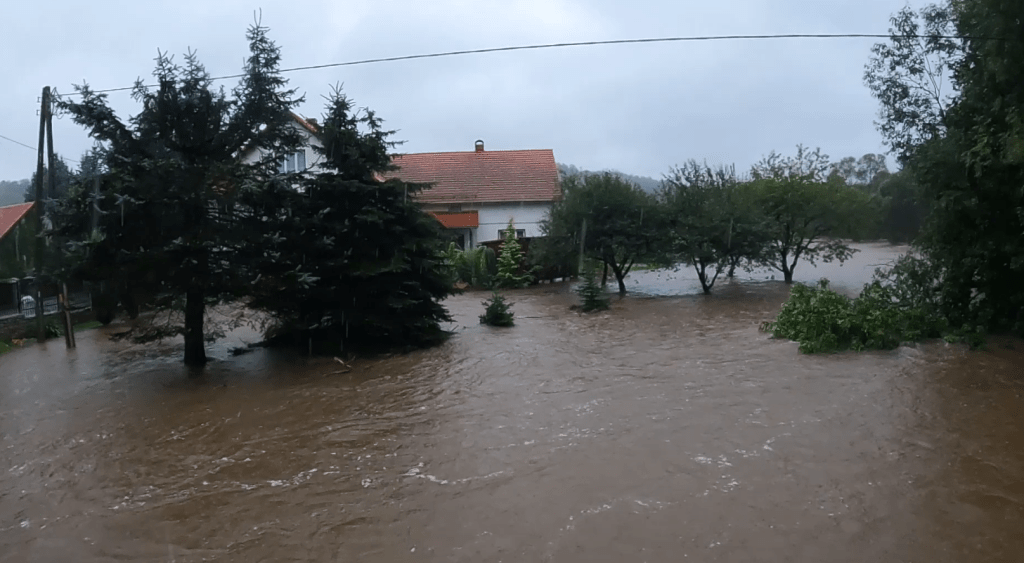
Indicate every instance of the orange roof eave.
{"type": "Point", "coordinates": [459, 220]}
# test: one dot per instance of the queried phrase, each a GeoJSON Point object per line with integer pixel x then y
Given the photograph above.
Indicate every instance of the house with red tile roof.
{"type": "Point", "coordinates": [476, 193]}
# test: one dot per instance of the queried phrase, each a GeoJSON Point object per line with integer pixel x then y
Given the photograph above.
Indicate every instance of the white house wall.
{"type": "Point", "coordinates": [495, 217]}
{"type": "Point", "coordinates": [313, 158]}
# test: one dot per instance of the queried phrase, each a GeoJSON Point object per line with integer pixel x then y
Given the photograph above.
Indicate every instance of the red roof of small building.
{"type": "Point", "coordinates": [458, 220]}
{"type": "Point", "coordinates": [11, 214]}
{"type": "Point", "coordinates": [482, 176]}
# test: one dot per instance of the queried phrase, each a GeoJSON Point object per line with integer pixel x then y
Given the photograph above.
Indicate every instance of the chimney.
{"type": "Point", "coordinates": [479, 145]}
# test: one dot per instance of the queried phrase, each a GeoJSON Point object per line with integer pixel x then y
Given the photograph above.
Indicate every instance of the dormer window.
{"type": "Point", "coordinates": [295, 162]}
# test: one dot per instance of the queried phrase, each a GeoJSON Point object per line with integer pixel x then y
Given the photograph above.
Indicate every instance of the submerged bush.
{"type": "Point", "coordinates": [591, 293]}
{"type": "Point", "coordinates": [498, 311]}
{"type": "Point", "coordinates": [882, 317]}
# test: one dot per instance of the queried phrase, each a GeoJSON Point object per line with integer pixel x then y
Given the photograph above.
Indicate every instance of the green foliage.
{"type": "Point", "coordinates": [591, 293]}
{"type": "Point", "coordinates": [709, 222]}
{"type": "Point", "coordinates": [804, 210]}
{"type": "Point", "coordinates": [498, 312]}
{"type": "Point", "coordinates": [900, 305]}
{"type": "Point", "coordinates": [476, 267]}
{"type": "Point", "coordinates": [622, 223]}
{"type": "Point", "coordinates": [510, 262]}
{"type": "Point", "coordinates": [911, 76]}
{"type": "Point", "coordinates": [347, 261]}
{"type": "Point", "coordinates": [173, 172]}
{"type": "Point", "coordinates": [963, 147]}
{"type": "Point", "coordinates": [61, 182]}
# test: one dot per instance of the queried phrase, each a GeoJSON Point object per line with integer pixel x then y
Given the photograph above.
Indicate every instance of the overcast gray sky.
{"type": "Point", "coordinates": [637, 108]}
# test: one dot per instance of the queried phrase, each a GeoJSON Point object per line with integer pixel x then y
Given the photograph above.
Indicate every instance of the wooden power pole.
{"type": "Point", "coordinates": [38, 269]}
{"type": "Point", "coordinates": [64, 307]}
{"type": "Point", "coordinates": [46, 135]}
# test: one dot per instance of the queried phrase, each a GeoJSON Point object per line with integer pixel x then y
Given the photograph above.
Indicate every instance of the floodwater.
{"type": "Point", "coordinates": [667, 429]}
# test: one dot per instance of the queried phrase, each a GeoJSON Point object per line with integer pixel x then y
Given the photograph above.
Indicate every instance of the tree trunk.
{"type": "Point", "coordinates": [620, 277]}
{"type": "Point", "coordinates": [733, 262]}
{"type": "Point", "coordinates": [787, 273]}
{"type": "Point", "coordinates": [195, 349]}
{"type": "Point", "coordinates": [604, 276]}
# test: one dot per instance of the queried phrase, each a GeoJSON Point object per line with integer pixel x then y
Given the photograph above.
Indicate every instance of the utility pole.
{"type": "Point", "coordinates": [43, 110]}
{"type": "Point", "coordinates": [62, 299]}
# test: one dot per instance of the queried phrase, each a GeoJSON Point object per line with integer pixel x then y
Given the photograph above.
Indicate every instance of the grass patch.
{"type": "Point", "coordinates": [4, 348]}
{"type": "Point", "coordinates": [87, 325]}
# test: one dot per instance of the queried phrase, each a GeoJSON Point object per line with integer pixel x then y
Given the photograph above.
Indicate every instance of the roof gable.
{"type": "Point", "coordinates": [482, 176]}
{"type": "Point", "coordinates": [10, 215]}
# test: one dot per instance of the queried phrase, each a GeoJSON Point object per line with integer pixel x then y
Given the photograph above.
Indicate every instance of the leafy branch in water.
{"type": "Point", "coordinates": [900, 305]}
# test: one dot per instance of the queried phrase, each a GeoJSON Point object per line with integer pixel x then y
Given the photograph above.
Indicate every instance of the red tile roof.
{"type": "Point", "coordinates": [482, 176]}
{"type": "Point", "coordinates": [10, 215]}
{"type": "Point", "coordinates": [458, 220]}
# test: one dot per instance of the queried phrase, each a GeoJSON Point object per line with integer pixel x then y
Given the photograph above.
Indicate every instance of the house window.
{"type": "Point", "coordinates": [520, 233]}
{"type": "Point", "coordinates": [456, 208]}
{"type": "Point", "coordinates": [295, 162]}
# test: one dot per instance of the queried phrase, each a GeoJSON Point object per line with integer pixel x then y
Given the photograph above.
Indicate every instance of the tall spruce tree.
{"type": "Point", "coordinates": [173, 171]}
{"type": "Point", "coordinates": [347, 260]}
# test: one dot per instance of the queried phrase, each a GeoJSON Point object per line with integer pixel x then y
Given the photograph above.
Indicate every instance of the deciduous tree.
{"type": "Point", "coordinates": [803, 210]}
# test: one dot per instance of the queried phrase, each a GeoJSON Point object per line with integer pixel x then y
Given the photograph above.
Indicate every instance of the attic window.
{"type": "Point", "coordinates": [295, 162]}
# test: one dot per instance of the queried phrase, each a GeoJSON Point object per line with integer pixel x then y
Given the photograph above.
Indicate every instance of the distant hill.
{"type": "Point", "coordinates": [12, 192]}
{"type": "Point", "coordinates": [646, 183]}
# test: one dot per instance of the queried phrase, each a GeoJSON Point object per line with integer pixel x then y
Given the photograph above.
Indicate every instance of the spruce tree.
{"type": "Point", "coordinates": [591, 293]}
{"type": "Point", "coordinates": [349, 261]}
{"type": "Point", "coordinates": [510, 262]}
{"type": "Point", "coordinates": [170, 226]}
{"type": "Point", "coordinates": [497, 311]}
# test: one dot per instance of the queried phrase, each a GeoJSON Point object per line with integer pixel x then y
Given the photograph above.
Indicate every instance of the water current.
{"type": "Point", "coordinates": [666, 429]}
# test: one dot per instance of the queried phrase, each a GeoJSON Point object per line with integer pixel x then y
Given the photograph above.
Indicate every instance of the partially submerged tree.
{"type": "Point", "coordinates": [348, 260]}
{"type": "Point", "coordinates": [709, 223]}
{"type": "Point", "coordinates": [173, 172]}
{"type": "Point", "coordinates": [621, 222]}
{"type": "Point", "coordinates": [803, 210]}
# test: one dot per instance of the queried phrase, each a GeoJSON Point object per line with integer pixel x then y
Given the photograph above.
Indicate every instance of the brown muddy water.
{"type": "Point", "coordinates": [667, 429]}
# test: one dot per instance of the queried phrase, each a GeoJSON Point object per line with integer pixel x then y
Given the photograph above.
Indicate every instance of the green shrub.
{"type": "Point", "coordinates": [476, 267]}
{"type": "Point", "coordinates": [591, 293]}
{"type": "Point", "coordinates": [882, 317]}
{"type": "Point", "coordinates": [498, 312]}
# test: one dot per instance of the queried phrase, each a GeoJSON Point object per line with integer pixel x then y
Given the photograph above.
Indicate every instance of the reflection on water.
{"type": "Point", "coordinates": [666, 429]}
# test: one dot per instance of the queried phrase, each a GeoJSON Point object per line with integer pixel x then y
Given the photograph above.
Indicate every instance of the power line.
{"type": "Point", "coordinates": [582, 44]}
{"type": "Point", "coordinates": [31, 148]}
{"type": "Point", "coordinates": [18, 143]}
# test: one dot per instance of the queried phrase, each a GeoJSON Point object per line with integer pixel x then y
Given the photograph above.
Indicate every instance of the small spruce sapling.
{"type": "Point", "coordinates": [593, 296]}
{"type": "Point", "coordinates": [498, 311]}
{"type": "Point", "coordinates": [510, 261]}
